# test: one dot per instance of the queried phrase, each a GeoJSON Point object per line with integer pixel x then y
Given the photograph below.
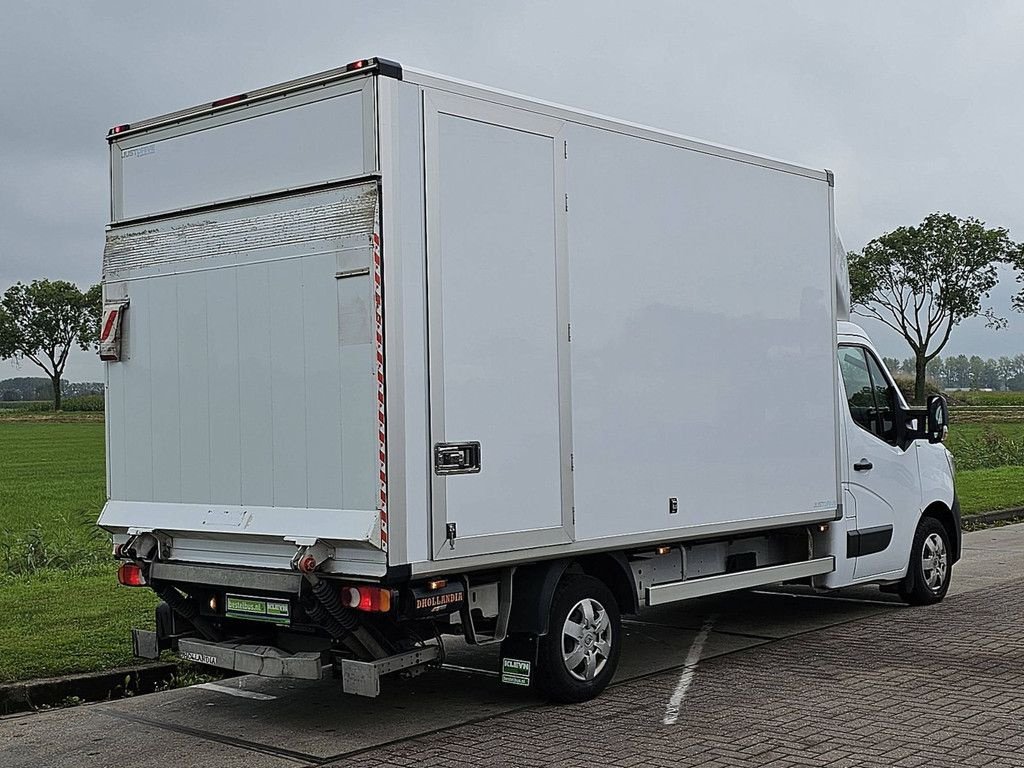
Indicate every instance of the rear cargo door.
{"type": "Point", "coordinates": [245, 405]}
{"type": "Point", "coordinates": [498, 326]}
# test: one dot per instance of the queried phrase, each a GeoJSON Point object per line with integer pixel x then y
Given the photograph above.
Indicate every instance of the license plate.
{"type": "Point", "coordinates": [257, 609]}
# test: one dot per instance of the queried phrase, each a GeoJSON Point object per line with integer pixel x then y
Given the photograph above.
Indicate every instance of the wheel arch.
{"type": "Point", "coordinates": [533, 588]}
{"type": "Point", "coordinates": [613, 569]}
{"type": "Point", "coordinates": [950, 520]}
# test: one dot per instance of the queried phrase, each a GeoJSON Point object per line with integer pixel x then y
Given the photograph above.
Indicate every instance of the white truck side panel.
{"type": "Point", "coordinates": [702, 338]}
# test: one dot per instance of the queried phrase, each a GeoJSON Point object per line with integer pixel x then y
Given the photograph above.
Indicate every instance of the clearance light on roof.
{"type": "Point", "coordinates": [383, 66]}
{"type": "Point", "coordinates": [118, 129]}
{"type": "Point", "coordinates": [230, 100]}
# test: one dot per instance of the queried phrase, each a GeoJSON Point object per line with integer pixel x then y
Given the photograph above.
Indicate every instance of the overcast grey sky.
{"type": "Point", "coordinates": [916, 106]}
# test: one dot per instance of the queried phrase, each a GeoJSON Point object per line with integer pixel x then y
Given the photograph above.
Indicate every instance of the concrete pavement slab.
{"type": "Point", "coordinates": [87, 737]}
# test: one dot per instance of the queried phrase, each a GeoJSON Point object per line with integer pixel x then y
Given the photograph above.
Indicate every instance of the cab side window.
{"type": "Point", "coordinates": [885, 399]}
{"type": "Point", "coordinates": [869, 395]}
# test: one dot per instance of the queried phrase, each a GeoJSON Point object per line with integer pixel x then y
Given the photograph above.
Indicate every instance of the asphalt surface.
{"type": "Point", "coordinates": [777, 677]}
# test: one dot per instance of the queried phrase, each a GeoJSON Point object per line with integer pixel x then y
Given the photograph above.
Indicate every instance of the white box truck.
{"type": "Point", "coordinates": [393, 357]}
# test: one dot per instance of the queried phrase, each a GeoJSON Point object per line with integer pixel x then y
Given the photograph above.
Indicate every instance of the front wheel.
{"type": "Point", "coordinates": [579, 654]}
{"type": "Point", "coordinates": [931, 565]}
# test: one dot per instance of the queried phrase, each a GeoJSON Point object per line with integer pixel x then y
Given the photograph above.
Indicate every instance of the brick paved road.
{"type": "Point", "coordinates": [940, 686]}
{"type": "Point", "coordinates": [787, 679]}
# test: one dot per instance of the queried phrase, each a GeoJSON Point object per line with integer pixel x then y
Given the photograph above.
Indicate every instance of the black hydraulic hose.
{"type": "Point", "coordinates": [180, 604]}
{"type": "Point", "coordinates": [188, 610]}
{"type": "Point", "coordinates": [320, 616]}
{"type": "Point", "coordinates": [328, 598]}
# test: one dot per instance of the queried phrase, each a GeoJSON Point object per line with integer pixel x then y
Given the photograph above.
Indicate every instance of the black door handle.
{"type": "Point", "coordinates": [862, 466]}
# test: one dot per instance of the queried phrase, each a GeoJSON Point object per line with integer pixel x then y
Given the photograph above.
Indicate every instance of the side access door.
{"type": "Point", "coordinates": [498, 327]}
{"type": "Point", "coordinates": [881, 476]}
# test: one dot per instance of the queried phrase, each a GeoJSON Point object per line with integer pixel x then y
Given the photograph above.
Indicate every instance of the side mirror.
{"type": "Point", "coordinates": [938, 418]}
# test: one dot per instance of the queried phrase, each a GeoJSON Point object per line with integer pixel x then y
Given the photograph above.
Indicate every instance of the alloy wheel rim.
{"type": "Point", "coordinates": [934, 562]}
{"type": "Point", "coordinates": [586, 639]}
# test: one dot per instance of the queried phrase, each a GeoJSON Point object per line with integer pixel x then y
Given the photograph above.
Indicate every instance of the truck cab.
{"type": "Point", "coordinates": [896, 479]}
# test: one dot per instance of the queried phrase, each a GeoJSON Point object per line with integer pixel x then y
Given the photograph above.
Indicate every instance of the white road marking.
{"type": "Point", "coordinates": [689, 669]}
{"type": "Point", "coordinates": [236, 692]}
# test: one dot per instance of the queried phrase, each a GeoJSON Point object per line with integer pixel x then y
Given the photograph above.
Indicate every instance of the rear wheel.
{"type": "Point", "coordinates": [579, 654]}
{"type": "Point", "coordinates": [931, 564]}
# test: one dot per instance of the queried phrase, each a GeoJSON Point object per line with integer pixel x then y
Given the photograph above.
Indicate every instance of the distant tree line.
{"type": "Point", "coordinates": [30, 388]}
{"type": "Point", "coordinates": [963, 372]}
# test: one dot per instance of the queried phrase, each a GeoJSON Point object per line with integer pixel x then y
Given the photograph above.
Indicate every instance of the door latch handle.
{"type": "Point", "coordinates": [862, 466]}
{"type": "Point", "coordinates": [457, 458]}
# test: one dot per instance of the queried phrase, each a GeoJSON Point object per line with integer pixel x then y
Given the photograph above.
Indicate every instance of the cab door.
{"type": "Point", "coordinates": [882, 477]}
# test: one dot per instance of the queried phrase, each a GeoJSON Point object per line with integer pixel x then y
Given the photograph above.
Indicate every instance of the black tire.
{"type": "Point", "coordinates": [931, 565]}
{"type": "Point", "coordinates": [598, 641]}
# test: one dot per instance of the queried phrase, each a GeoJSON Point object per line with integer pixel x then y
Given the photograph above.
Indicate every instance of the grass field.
{"type": "Point", "coordinates": [68, 621]}
{"type": "Point", "coordinates": [986, 490]}
{"type": "Point", "coordinates": [51, 473]}
{"type": "Point", "coordinates": [64, 612]}
{"type": "Point", "coordinates": [62, 608]}
{"type": "Point", "coordinates": [986, 398]}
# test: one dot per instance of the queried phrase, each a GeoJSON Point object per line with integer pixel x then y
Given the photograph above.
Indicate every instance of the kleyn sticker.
{"type": "Point", "coordinates": [515, 672]}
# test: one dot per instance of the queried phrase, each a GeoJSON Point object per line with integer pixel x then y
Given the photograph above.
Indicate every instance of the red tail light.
{"type": "Point", "coordinates": [366, 598]}
{"type": "Point", "coordinates": [130, 575]}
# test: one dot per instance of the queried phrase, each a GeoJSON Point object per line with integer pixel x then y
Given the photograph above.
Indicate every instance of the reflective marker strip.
{"type": "Point", "coordinates": [108, 326]}
{"type": "Point", "coordinates": [378, 310]}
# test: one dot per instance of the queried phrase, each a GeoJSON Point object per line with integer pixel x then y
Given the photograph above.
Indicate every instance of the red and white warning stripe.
{"type": "Point", "coordinates": [378, 310]}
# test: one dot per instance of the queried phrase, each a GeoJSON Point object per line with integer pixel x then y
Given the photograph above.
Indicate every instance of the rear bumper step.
{"type": "Point", "coordinates": [263, 660]}
{"type": "Point", "coordinates": [361, 678]}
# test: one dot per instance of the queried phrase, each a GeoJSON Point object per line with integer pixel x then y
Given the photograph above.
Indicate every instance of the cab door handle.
{"type": "Point", "coordinates": [862, 466]}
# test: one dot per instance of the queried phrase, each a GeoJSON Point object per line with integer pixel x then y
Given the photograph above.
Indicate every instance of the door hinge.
{"type": "Point", "coordinates": [566, 202]}
{"type": "Point", "coordinates": [569, 331]}
{"type": "Point", "coordinates": [450, 534]}
{"type": "Point", "coordinates": [572, 463]}
{"type": "Point", "coordinates": [565, 150]}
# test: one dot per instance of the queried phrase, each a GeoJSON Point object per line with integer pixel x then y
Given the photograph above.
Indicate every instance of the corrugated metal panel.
{"type": "Point", "coordinates": [225, 232]}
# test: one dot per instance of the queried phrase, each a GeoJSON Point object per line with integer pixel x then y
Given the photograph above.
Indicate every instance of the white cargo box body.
{"type": "Point", "coordinates": [478, 330]}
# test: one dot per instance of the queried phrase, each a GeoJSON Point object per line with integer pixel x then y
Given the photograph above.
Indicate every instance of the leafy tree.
{"type": "Point", "coordinates": [43, 320]}
{"type": "Point", "coordinates": [958, 371]}
{"type": "Point", "coordinates": [922, 281]}
{"type": "Point", "coordinates": [977, 372]}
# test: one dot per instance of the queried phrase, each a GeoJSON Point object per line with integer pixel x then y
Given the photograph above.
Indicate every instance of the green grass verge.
{"type": "Point", "coordinates": [987, 490]}
{"type": "Point", "coordinates": [57, 622]}
{"type": "Point", "coordinates": [962, 433]}
{"type": "Point", "coordinates": [52, 487]}
{"type": "Point", "coordinates": [986, 398]}
{"type": "Point", "coordinates": [52, 473]}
